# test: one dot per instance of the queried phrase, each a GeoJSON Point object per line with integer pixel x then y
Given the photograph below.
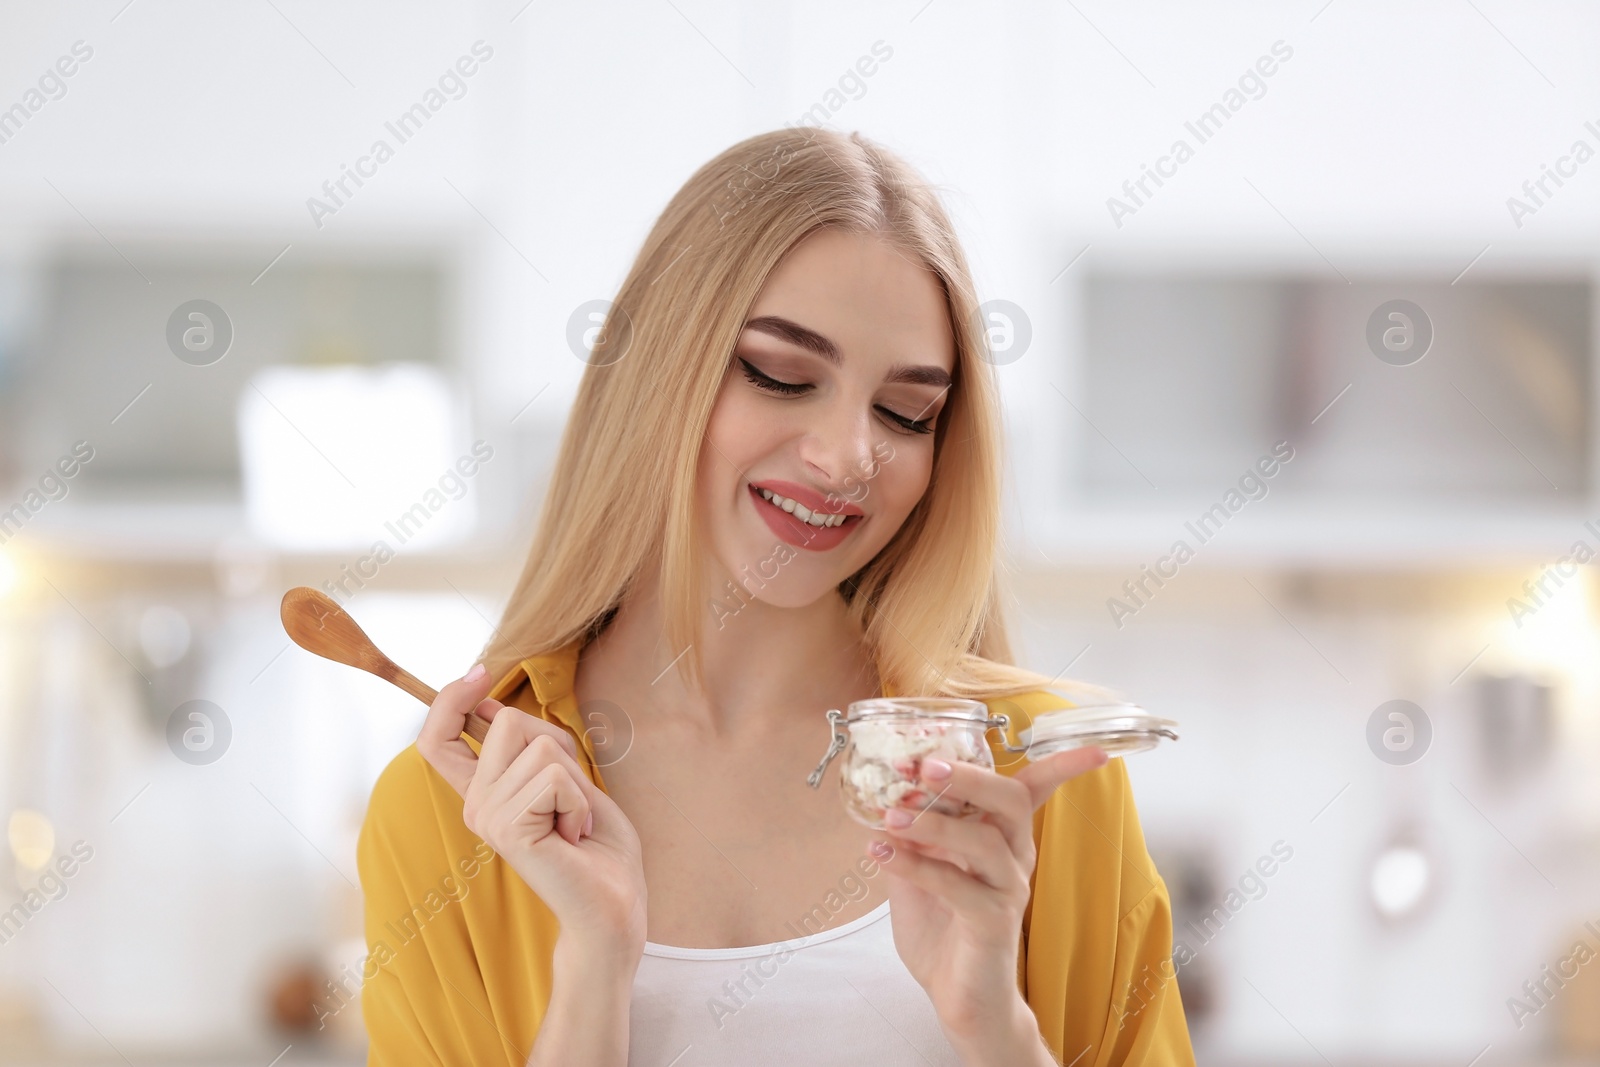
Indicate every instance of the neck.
{"type": "Point", "coordinates": [761, 666]}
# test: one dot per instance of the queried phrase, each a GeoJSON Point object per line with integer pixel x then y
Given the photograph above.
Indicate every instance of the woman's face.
{"type": "Point", "coordinates": [830, 402]}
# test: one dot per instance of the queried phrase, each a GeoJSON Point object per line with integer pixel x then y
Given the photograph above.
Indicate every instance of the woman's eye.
{"type": "Point", "coordinates": [910, 426]}
{"type": "Point", "coordinates": [773, 385]}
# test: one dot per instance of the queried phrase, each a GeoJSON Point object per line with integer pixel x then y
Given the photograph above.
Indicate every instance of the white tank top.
{"type": "Point", "coordinates": [839, 996]}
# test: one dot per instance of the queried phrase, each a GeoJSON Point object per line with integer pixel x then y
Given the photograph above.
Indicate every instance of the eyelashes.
{"type": "Point", "coordinates": [756, 377]}
{"type": "Point", "coordinates": [924, 426]}
{"type": "Point", "coordinates": [773, 385]}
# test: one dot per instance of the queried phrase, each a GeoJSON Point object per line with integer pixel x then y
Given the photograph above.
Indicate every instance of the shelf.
{"type": "Point", "coordinates": [1281, 533]}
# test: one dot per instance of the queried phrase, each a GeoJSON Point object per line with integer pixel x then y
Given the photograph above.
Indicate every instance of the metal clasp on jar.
{"type": "Point", "coordinates": [841, 737]}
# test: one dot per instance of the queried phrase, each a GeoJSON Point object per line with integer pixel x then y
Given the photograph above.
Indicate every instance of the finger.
{"type": "Point", "coordinates": [1004, 802]}
{"type": "Point", "coordinates": [1042, 778]}
{"type": "Point", "coordinates": [981, 846]}
{"type": "Point", "coordinates": [927, 850]}
{"type": "Point", "coordinates": [490, 710]}
{"type": "Point", "coordinates": [512, 730]}
{"type": "Point", "coordinates": [551, 794]}
{"type": "Point", "coordinates": [529, 765]}
{"type": "Point", "coordinates": [511, 736]}
{"type": "Point", "coordinates": [960, 891]}
{"type": "Point", "coordinates": [440, 740]}
{"type": "Point", "coordinates": [522, 757]}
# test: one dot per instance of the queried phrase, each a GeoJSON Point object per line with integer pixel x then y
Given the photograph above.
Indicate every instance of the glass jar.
{"type": "Point", "coordinates": [884, 741]}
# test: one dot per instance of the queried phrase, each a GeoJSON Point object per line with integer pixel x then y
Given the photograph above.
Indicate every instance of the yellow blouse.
{"type": "Point", "coordinates": [460, 949]}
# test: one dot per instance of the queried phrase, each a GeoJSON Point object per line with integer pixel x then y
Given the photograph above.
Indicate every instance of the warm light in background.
{"type": "Point", "coordinates": [1558, 630]}
{"type": "Point", "coordinates": [32, 838]}
{"type": "Point", "coordinates": [8, 575]}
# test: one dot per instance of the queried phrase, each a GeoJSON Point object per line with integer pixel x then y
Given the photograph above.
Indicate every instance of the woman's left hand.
{"type": "Point", "coordinates": [959, 889]}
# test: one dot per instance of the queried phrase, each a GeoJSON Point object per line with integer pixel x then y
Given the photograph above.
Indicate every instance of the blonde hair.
{"type": "Point", "coordinates": [929, 603]}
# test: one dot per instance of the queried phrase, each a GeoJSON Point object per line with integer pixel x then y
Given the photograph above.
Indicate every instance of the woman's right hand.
{"type": "Point", "coordinates": [526, 796]}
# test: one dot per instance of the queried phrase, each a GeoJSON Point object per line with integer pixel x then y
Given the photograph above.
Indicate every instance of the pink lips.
{"type": "Point", "coordinates": [813, 500]}
{"type": "Point", "coordinates": [803, 534]}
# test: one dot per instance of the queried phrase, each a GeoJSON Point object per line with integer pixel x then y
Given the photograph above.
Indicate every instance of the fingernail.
{"type": "Point", "coordinates": [934, 767]}
{"type": "Point", "coordinates": [588, 825]}
{"type": "Point", "coordinates": [476, 673]}
{"type": "Point", "coordinates": [881, 849]}
{"type": "Point", "coordinates": [899, 818]}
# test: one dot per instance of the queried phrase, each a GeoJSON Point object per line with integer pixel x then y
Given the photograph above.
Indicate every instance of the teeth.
{"type": "Point", "coordinates": [801, 512]}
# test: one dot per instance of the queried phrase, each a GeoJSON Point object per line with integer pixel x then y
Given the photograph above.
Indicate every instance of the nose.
{"type": "Point", "coordinates": [837, 450]}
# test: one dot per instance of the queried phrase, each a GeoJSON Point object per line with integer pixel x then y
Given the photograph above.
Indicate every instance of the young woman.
{"type": "Point", "coordinates": [778, 492]}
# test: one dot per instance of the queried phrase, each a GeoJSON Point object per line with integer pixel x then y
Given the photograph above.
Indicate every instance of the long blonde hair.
{"type": "Point", "coordinates": [929, 603]}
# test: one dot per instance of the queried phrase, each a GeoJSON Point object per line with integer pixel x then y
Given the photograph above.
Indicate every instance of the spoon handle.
{"type": "Point", "coordinates": [315, 622]}
{"type": "Point", "coordinates": [409, 682]}
{"type": "Point", "coordinates": [477, 727]}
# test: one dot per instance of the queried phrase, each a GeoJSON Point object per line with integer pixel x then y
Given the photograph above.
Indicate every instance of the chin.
{"type": "Point", "coordinates": [780, 587]}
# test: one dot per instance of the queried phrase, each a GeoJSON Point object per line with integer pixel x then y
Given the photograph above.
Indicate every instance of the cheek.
{"type": "Point", "coordinates": [902, 479]}
{"type": "Point", "coordinates": [737, 436]}
{"type": "Point", "coordinates": [735, 426]}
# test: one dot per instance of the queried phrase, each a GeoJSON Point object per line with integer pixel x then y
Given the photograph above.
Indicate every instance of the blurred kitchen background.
{"type": "Point", "coordinates": [1369, 269]}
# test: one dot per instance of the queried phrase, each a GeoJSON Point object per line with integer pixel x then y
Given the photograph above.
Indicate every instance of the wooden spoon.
{"type": "Point", "coordinates": [317, 624]}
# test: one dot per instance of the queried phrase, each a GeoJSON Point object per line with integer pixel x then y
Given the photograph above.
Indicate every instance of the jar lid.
{"type": "Point", "coordinates": [878, 709]}
{"type": "Point", "coordinates": [1118, 729]}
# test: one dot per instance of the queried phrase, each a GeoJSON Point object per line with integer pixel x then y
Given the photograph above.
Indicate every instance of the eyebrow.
{"type": "Point", "coordinates": [812, 341]}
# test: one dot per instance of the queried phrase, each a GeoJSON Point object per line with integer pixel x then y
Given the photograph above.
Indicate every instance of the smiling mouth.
{"type": "Point", "coordinates": [820, 520]}
{"type": "Point", "coordinates": [799, 526]}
